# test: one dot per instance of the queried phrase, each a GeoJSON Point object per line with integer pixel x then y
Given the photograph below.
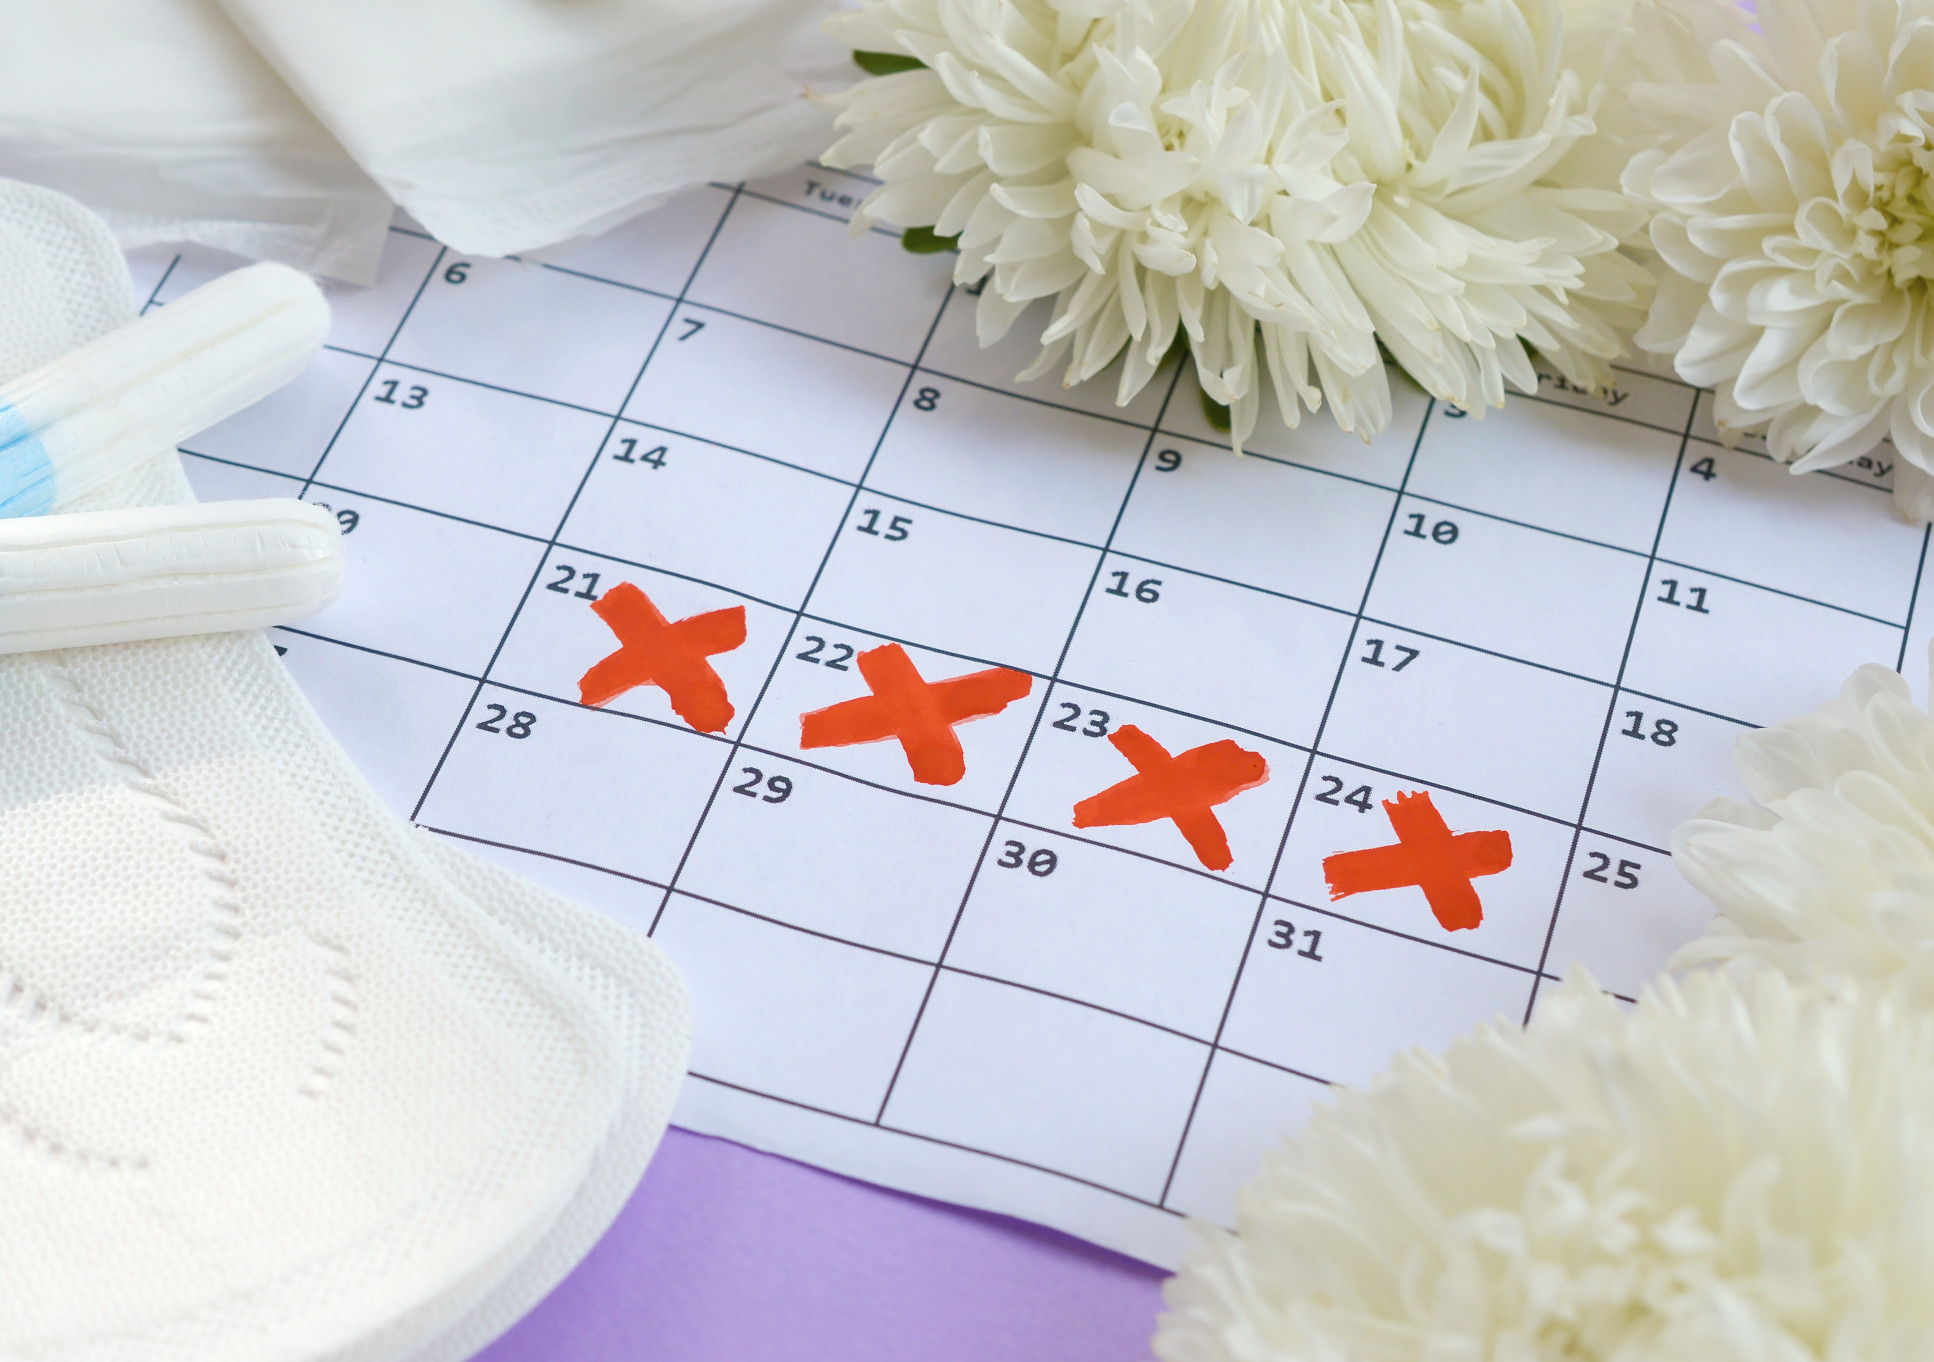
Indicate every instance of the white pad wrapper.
{"type": "Point", "coordinates": [158, 115]}
{"type": "Point", "coordinates": [280, 1077]}
{"type": "Point", "coordinates": [510, 125]}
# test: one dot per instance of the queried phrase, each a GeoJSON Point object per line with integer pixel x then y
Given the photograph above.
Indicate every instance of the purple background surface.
{"type": "Point", "coordinates": [728, 1255]}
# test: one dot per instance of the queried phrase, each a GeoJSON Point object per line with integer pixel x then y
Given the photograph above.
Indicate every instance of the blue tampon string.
{"type": "Point", "coordinates": [26, 471]}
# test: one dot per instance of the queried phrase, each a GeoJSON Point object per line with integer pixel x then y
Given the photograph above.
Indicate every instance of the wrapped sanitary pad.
{"type": "Point", "coordinates": [162, 119]}
{"type": "Point", "coordinates": [509, 125]}
{"type": "Point", "coordinates": [280, 1076]}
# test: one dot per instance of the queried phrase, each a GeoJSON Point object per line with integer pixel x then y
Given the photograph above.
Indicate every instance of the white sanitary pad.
{"type": "Point", "coordinates": [280, 1077]}
{"type": "Point", "coordinates": [510, 125]}
{"type": "Point", "coordinates": [160, 117]}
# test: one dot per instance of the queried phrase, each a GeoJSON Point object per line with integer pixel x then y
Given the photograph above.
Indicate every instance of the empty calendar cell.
{"type": "Point", "coordinates": [1199, 644]}
{"type": "Point", "coordinates": [1316, 442]}
{"type": "Point", "coordinates": [744, 522]}
{"type": "Point", "coordinates": [948, 582]}
{"type": "Point", "coordinates": [395, 744]}
{"type": "Point", "coordinates": [214, 480]}
{"type": "Point", "coordinates": [1342, 1017]}
{"type": "Point", "coordinates": [775, 393]}
{"type": "Point", "coordinates": [820, 669]}
{"type": "Point", "coordinates": [520, 326]}
{"type": "Point", "coordinates": [823, 864]}
{"type": "Point", "coordinates": [1825, 538]}
{"type": "Point", "coordinates": [1659, 763]}
{"type": "Point", "coordinates": [1737, 650]}
{"type": "Point", "coordinates": [1246, 1110]}
{"type": "Point", "coordinates": [658, 251]}
{"type": "Point", "coordinates": [619, 897]}
{"type": "Point", "coordinates": [1343, 811]}
{"type": "Point", "coordinates": [1522, 592]}
{"type": "Point", "coordinates": [366, 319]}
{"type": "Point", "coordinates": [868, 293]}
{"type": "Point", "coordinates": [1543, 465]}
{"type": "Point", "coordinates": [604, 789]}
{"type": "Point", "coordinates": [423, 586]}
{"type": "Point", "coordinates": [559, 637]}
{"type": "Point", "coordinates": [1632, 396]}
{"type": "Point", "coordinates": [955, 351]}
{"type": "Point", "coordinates": [464, 449]}
{"type": "Point", "coordinates": [1256, 520]}
{"type": "Point", "coordinates": [1092, 924]}
{"type": "Point", "coordinates": [831, 1019]}
{"type": "Point", "coordinates": [969, 450]}
{"type": "Point", "coordinates": [1051, 1083]}
{"type": "Point", "coordinates": [1438, 712]}
{"type": "Point", "coordinates": [1625, 912]}
{"type": "Point", "coordinates": [1074, 756]}
{"type": "Point", "coordinates": [288, 430]}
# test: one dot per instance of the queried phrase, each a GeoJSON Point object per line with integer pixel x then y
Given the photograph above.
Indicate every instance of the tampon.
{"type": "Point", "coordinates": [71, 425]}
{"type": "Point", "coordinates": [67, 581]}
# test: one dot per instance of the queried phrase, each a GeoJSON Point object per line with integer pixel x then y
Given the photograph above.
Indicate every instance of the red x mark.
{"type": "Point", "coordinates": [1184, 788]}
{"type": "Point", "coordinates": [669, 655]}
{"type": "Point", "coordinates": [1428, 856]}
{"type": "Point", "coordinates": [919, 712]}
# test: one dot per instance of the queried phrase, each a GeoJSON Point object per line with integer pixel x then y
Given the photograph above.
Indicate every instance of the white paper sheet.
{"type": "Point", "coordinates": [1554, 620]}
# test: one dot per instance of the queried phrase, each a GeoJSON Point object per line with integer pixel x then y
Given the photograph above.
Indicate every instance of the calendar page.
{"type": "Point", "coordinates": [1043, 803]}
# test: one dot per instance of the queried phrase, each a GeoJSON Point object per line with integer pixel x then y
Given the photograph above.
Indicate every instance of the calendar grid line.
{"type": "Point", "coordinates": [1870, 484]}
{"type": "Point", "coordinates": [1284, 461]}
{"type": "Point", "coordinates": [799, 614]}
{"type": "Point", "coordinates": [589, 468]}
{"type": "Point", "coordinates": [1027, 744]}
{"type": "Point", "coordinates": [1777, 591]}
{"type": "Point", "coordinates": [375, 368]}
{"type": "Point", "coordinates": [937, 1140]}
{"type": "Point", "coordinates": [1692, 709]}
{"type": "Point", "coordinates": [1040, 401]}
{"type": "Point", "coordinates": [936, 963]}
{"type": "Point", "coordinates": [1214, 877]}
{"type": "Point", "coordinates": [1387, 930]}
{"type": "Point", "coordinates": [160, 284]}
{"type": "Point", "coordinates": [607, 279]}
{"type": "Point", "coordinates": [1611, 709]}
{"type": "Point", "coordinates": [1913, 599]}
{"type": "Point", "coordinates": [1296, 804]}
{"type": "Point", "coordinates": [875, 230]}
{"type": "Point", "coordinates": [1462, 509]}
{"type": "Point", "coordinates": [1542, 400]}
{"type": "Point", "coordinates": [487, 386]}
{"type": "Point", "coordinates": [545, 855]}
{"type": "Point", "coordinates": [736, 449]}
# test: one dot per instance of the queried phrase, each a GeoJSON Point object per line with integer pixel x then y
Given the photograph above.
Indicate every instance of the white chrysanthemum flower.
{"type": "Point", "coordinates": [1737, 1171]}
{"type": "Point", "coordinates": [1287, 184]}
{"type": "Point", "coordinates": [1793, 214]}
{"type": "Point", "coordinates": [1833, 873]}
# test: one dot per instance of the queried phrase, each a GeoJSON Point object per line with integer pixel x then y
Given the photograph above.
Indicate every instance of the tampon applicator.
{"type": "Point", "coordinates": [69, 581]}
{"type": "Point", "coordinates": [69, 426]}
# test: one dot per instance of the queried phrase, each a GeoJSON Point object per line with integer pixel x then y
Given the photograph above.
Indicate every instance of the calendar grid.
{"type": "Point", "coordinates": [799, 612]}
{"type": "Point", "coordinates": [1222, 1036]}
{"type": "Point", "coordinates": [1611, 708]}
{"type": "Point", "coordinates": [1302, 788]}
{"type": "Point", "coordinates": [1027, 745]}
{"type": "Point", "coordinates": [374, 368]}
{"type": "Point", "coordinates": [589, 467]}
